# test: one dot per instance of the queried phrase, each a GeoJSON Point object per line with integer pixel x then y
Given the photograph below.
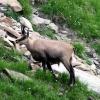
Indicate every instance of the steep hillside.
{"type": "Point", "coordinates": [72, 21]}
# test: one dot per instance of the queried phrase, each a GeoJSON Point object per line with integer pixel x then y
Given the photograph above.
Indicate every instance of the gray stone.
{"type": "Point", "coordinates": [16, 75]}
{"type": "Point", "coordinates": [2, 33]}
{"type": "Point", "coordinates": [96, 63]}
{"type": "Point", "coordinates": [53, 27]}
{"type": "Point", "coordinates": [36, 20]}
{"type": "Point", "coordinates": [92, 81]}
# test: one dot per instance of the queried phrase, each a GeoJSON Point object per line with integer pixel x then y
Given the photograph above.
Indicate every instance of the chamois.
{"type": "Point", "coordinates": [49, 52]}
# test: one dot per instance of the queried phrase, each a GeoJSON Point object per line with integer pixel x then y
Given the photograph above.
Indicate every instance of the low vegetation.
{"type": "Point", "coordinates": [79, 49]}
{"type": "Point", "coordinates": [26, 12]}
{"type": "Point", "coordinates": [27, 9]}
{"type": "Point", "coordinates": [83, 17]}
{"type": "Point", "coordinates": [45, 31]}
{"type": "Point", "coordinates": [96, 46]}
{"type": "Point", "coordinates": [42, 86]}
{"type": "Point", "coordinates": [80, 15]}
{"type": "Point", "coordinates": [81, 52]}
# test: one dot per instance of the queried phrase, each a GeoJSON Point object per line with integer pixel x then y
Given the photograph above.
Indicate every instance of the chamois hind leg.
{"type": "Point", "coordinates": [50, 69]}
{"type": "Point", "coordinates": [70, 69]}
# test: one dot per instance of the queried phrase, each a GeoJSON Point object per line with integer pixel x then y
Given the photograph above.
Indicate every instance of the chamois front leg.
{"type": "Point", "coordinates": [70, 69]}
{"type": "Point", "coordinates": [50, 69]}
{"type": "Point", "coordinates": [44, 66]}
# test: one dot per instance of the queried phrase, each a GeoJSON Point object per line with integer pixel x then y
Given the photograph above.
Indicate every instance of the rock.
{"type": "Point", "coordinates": [9, 43]}
{"type": "Point", "coordinates": [63, 32]}
{"type": "Point", "coordinates": [35, 35]}
{"type": "Point", "coordinates": [7, 21]}
{"type": "Point", "coordinates": [2, 33]}
{"type": "Point", "coordinates": [3, 2]}
{"type": "Point", "coordinates": [92, 81]}
{"type": "Point", "coordinates": [98, 71]}
{"type": "Point", "coordinates": [27, 53]}
{"type": "Point", "coordinates": [87, 49]}
{"type": "Point", "coordinates": [93, 68]}
{"type": "Point", "coordinates": [26, 22]}
{"type": "Point", "coordinates": [94, 55]}
{"type": "Point", "coordinates": [9, 30]}
{"type": "Point", "coordinates": [16, 75]}
{"type": "Point", "coordinates": [3, 8]}
{"type": "Point", "coordinates": [22, 49]}
{"type": "Point", "coordinates": [62, 37]}
{"type": "Point", "coordinates": [32, 2]}
{"type": "Point", "coordinates": [40, 1]}
{"type": "Point", "coordinates": [3, 76]}
{"type": "Point", "coordinates": [14, 4]}
{"type": "Point", "coordinates": [33, 66]}
{"type": "Point", "coordinates": [53, 27]}
{"type": "Point", "coordinates": [38, 21]}
{"type": "Point", "coordinates": [1, 15]}
{"type": "Point", "coordinates": [96, 63]}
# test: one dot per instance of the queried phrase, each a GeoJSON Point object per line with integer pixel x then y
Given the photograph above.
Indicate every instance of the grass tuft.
{"type": "Point", "coordinates": [79, 49]}
{"type": "Point", "coordinates": [96, 46]}
{"type": "Point", "coordinates": [45, 31]}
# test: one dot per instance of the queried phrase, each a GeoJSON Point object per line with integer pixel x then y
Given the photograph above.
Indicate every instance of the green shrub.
{"type": "Point", "coordinates": [80, 15]}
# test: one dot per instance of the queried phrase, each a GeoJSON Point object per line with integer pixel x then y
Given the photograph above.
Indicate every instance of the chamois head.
{"type": "Point", "coordinates": [24, 33]}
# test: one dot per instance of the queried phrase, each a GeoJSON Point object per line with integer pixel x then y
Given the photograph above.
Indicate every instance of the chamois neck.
{"type": "Point", "coordinates": [29, 43]}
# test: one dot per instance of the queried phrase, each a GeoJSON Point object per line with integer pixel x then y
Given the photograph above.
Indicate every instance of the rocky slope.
{"type": "Point", "coordinates": [10, 29]}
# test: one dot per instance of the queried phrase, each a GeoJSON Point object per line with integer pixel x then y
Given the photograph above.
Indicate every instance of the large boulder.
{"type": "Point", "coordinates": [14, 4]}
{"type": "Point", "coordinates": [16, 75]}
{"type": "Point", "coordinates": [26, 22]}
{"type": "Point", "coordinates": [36, 20]}
{"type": "Point", "coordinates": [92, 81]}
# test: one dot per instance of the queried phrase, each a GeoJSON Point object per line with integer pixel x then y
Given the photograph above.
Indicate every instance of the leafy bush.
{"type": "Point", "coordinates": [80, 15]}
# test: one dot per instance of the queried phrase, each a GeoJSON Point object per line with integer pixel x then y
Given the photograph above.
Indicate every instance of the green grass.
{"type": "Point", "coordinates": [96, 46]}
{"type": "Point", "coordinates": [79, 49]}
{"type": "Point", "coordinates": [42, 86]}
{"type": "Point", "coordinates": [10, 58]}
{"type": "Point", "coordinates": [45, 31]}
{"type": "Point", "coordinates": [81, 52]}
{"type": "Point", "coordinates": [11, 13]}
{"type": "Point", "coordinates": [8, 54]}
{"type": "Point", "coordinates": [26, 10]}
{"type": "Point", "coordinates": [80, 15]}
